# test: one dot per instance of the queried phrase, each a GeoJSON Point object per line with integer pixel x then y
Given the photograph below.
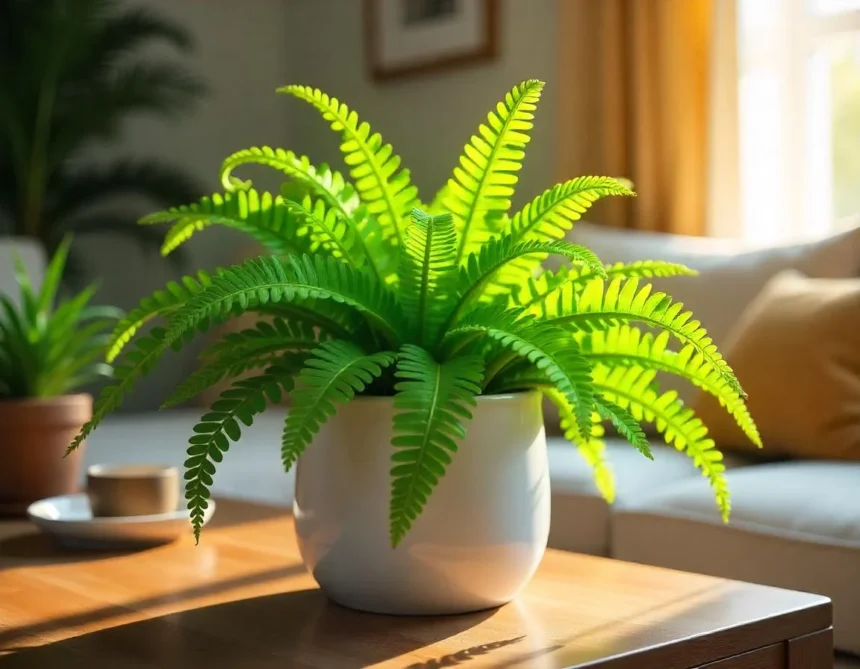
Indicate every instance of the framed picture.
{"type": "Point", "coordinates": [406, 37]}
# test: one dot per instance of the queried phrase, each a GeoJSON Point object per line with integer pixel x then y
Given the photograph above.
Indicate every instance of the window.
{"type": "Point", "coordinates": [799, 124]}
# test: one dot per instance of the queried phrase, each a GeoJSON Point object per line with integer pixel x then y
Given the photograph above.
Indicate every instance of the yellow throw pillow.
{"type": "Point", "coordinates": [796, 352]}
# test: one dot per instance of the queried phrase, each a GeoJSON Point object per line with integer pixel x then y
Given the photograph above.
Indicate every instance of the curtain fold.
{"type": "Point", "coordinates": [635, 101]}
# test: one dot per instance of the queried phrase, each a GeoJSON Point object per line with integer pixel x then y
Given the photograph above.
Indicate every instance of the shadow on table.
{"type": "Point", "coordinates": [10, 637]}
{"type": "Point", "coordinates": [31, 547]}
{"type": "Point", "coordinates": [465, 655]}
{"type": "Point", "coordinates": [294, 629]}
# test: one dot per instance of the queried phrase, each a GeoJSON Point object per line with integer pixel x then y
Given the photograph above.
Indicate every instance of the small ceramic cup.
{"type": "Point", "coordinates": [132, 490]}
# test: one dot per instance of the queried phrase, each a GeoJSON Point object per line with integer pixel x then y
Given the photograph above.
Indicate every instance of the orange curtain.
{"type": "Point", "coordinates": [634, 90]}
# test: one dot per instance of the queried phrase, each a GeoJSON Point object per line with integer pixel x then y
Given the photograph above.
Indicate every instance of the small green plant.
{"type": "Point", "coordinates": [370, 292]}
{"type": "Point", "coordinates": [47, 351]}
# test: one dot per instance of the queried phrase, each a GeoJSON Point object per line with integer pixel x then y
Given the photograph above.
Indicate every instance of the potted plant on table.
{"type": "Point", "coordinates": [415, 341]}
{"type": "Point", "coordinates": [46, 354]}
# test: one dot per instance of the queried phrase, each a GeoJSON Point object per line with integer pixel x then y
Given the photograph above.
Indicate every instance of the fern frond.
{"type": "Point", "coordinates": [552, 213]}
{"type": "Point", "coordinates": [220, 425]}
{"type": "Point", "coordinates": [269, 219]}
{"type": "Point", "coordinates": [327, 184]}
{"type": "Point", "coordinates": [333, 374]}
{"type": "Point", "coordinates": [330, 318]}
{"type": "Point", "coordinates": [646, 269]}
{"type": "Point", "coordinates": [565, 285]}
{"type": "Point", "coordinates": [137, 363]}
{"type": "Point", "coordinates": [432, 401]}
{"type": "Point", "coordinates": [480, 274]}
{"type": "Point", "coordinates": [601, 305]}
{"type": "Point", "coordinates": [550, 349]}
{"type": "Point", "coordinates": [591, 447]}
{"type": "Point", "coordinates": [480, 190]}
{"type": "Point", "coordinates": [626, 424]}
{"type": "Point", "coordinates": [160, 303]}
{"type": "Point", "coordinates": [627, 346]}
{"type": "Point", "coordinates": [382, 186]}
{"type": "Point", "coordinates": [238, 352]}
{"type": "Point", "coordinates": [270, 280]}
{"type": "Point", "coordinates": [327, 231]}
{"type": "Point", "coordinates": [427, 271]}
{"type": "Point", "coordinates": [633, 389]}
{"type": "Point", "coordinates": [322, 181]}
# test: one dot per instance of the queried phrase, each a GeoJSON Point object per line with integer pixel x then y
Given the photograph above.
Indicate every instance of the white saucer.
{"type": "Point", "coordinates": [70, 521]}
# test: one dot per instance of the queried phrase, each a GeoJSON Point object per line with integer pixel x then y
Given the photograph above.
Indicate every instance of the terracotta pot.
{"type": "Point", "coordinates": [34, 435]}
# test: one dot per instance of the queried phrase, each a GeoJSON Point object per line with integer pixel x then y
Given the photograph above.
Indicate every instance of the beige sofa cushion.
{"type": "Point", "coordinates": [796, 352]}
{"type": "Point", "coordinates": [794, 525]}
{"type": "Point", "coordinates": [580, 516]}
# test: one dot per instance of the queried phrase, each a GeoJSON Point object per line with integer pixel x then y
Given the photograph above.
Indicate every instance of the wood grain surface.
{"type": "Point", "coordinates": [243, 599]}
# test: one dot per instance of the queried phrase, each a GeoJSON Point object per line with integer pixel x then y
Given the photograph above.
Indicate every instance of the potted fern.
{"type": "Point", "coordinates": [415, 341]}
{"type": "Point", "coordinates": [46, 355]}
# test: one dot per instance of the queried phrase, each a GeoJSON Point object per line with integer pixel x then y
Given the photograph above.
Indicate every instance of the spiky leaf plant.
{"type": "Point", "coordinates": [48, 351]}
{"type": "Point", "coordinates": [370, 292]}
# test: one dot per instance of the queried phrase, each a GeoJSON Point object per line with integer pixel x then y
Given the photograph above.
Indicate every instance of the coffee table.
{"type": "Point", "coordinates": [242, 599]}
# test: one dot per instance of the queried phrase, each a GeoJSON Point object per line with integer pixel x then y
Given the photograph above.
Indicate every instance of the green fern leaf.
{"type": "Point", "coordinates": [333, 374]}
{"type": "Point", "coordinates": [626, 346]}
{"type": "Point", "coordinates": [432, 401]}
{"type": "Point", "coordinates": [565, 285]}
{"type": "Point", "coordinates": [627, 426]}
{"type": "Point", "coordinates": [256, 282]}
{"type": "Point", "coordinates": [241, 351]}
{"type": "Point", "coordinates": [602, 305]}
{"type": "Point", "coordinates": [269, 219]}
{"type": "Point", "coordinates": [138, 362]}
{"type": "Point", "coordinates": [549, 349]}
{"type": "Point", "coordinates": [322, 181]}
{"type": "Point", "coordinates": [327, 184]}
{"type": "Point", "coordinates": [160, 303]}
{"type": "Point", "coordinates": [329, 318]}
{"type": "Point", "coordinates": [270, 280]}
{"type": "Point", "coordinates": [646, 269]}
{"type": "Point", "coordinates": [220, 425]}
{"type": "Point", "coordinates": [480, 190]}
{"type": "Point", "coordinates": [427, 271]}
{"type": "Point", "coordinates": [481, 274]}
{"type": "Point", "coordinates": [633, 389]}
{"type": "Point", "coordinates": [327, 231]}
{"type": "Point", "coordinates": [383, 187]}
{"type": "Point", "coordinates": [552, 213]}
{"type": "Point", "coordinates": [591, 448]}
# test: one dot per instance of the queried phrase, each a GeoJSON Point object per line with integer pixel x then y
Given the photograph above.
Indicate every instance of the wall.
{"type": "Point", "coordinates": [428, 119]}
{"type": "Point", "coordinates": [242, 56]}
{"type": "Point", "coordinates": [246, 49]}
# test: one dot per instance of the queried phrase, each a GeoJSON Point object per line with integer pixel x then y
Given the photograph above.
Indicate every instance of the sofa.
{"type": "Point", "coordinates": [795, 524]}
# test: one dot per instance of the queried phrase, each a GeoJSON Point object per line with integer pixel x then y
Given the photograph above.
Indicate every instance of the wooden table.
{"type": "Point", "coordinates": [242, 599]}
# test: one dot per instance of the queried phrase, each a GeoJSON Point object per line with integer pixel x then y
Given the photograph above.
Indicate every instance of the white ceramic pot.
{"type": "Point", "coordinates": [482, 532]}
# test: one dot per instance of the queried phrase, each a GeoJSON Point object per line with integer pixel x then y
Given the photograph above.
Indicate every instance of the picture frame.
{"type": "Point", "coordinates": [406, 38]}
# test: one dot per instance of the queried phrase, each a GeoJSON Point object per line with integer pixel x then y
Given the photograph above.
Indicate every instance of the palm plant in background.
{"type": "Point", "coordinates": [370, 292]}
{"type": "Point", "coordinates": [69, 77]}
